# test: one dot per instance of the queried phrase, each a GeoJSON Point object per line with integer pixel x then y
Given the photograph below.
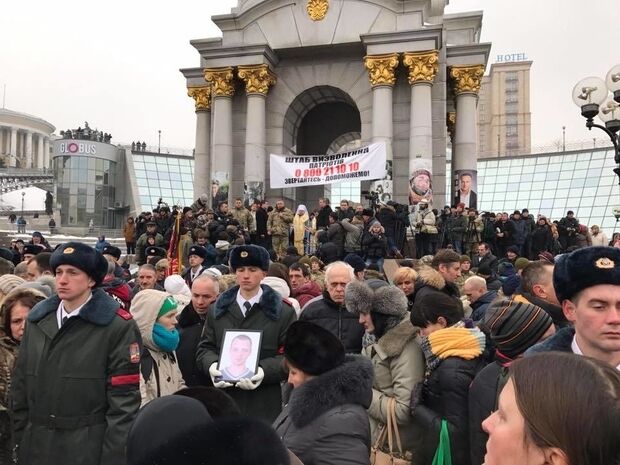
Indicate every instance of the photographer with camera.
{"type": "Point", "coordinates": [473, 233]}
{"type": "Point", "coordinates": [568, 228]}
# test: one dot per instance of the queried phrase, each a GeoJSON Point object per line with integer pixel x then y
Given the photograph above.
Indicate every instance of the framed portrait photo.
{"type": "Point", "coordinates": [239, 354]}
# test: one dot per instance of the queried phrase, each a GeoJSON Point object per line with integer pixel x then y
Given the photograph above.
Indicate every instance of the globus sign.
{"type": "Point", "coordinates": [72, 148]}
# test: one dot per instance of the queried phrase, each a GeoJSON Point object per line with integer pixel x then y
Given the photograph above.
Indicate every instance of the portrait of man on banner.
{"type": "Point", "coordinates": [465, 187]}
{"type": "Point", "coordinates": [421, 183]}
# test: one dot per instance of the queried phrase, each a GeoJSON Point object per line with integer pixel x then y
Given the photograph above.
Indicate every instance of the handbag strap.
{"type": "Point", "coordinates": [392, 414]}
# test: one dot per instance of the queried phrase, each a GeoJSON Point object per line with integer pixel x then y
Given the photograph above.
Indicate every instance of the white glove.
{"type": "Point", "coordinates": [249, 384]}
{"type": "Point", "coordinates": [215, 373]}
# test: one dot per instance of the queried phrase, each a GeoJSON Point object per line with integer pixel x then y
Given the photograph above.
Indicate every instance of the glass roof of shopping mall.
{"type": "Point", "coordinates": [551, 184]}
{"type": "Point", "coordinates": [166, 176]}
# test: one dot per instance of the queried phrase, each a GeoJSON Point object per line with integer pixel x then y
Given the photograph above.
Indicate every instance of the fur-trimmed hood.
{"type": "Point", "coordinates": [429, 276]}
{"type": "Point", "coordinates": [376, 296]}
{"type": "Point", "coordinates": [270, 302]}
{"type": "Point", "coordinates": [394, 341]}
{"type": "Point", "coordinates": [349, 383]}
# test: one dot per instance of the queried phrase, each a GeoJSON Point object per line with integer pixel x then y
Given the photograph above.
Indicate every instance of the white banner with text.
{"type": "Point", "coordinates": [314, 170]}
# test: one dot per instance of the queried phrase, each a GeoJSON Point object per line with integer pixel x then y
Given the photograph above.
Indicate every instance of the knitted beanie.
{"type": "Point", "coordinates": [515, 326]}
{"type": "Point", "coordinates": [8, 282]}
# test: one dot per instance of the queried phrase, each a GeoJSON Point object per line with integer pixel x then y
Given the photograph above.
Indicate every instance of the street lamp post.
{"type": "Point", "coordinates": [159, 142]}
{"type": "Point", "coordinates": [592, 96]}
{"type": "Point", "coordinates": [23, 195]}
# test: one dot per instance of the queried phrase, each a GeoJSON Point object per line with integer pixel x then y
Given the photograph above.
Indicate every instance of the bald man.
{"type": "Point", "coordinates": [475, 288]}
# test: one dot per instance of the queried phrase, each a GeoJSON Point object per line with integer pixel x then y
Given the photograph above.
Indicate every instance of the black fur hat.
{"type": "Point", "coordinates": [32, 249]}
{"type": "Point", "coordinates": [154, 251]}
{"type": "Point", "coordinates": [113, 251]}
{"type": "Point", "coordinates": [198, 250]}
{"type": "Point", "coordinates": [585, 268]}
{"type": "Point", "coordinates": [81, 256]}
{"type": "Point", "coordinates": [180, 442]}
{"type": "Point", "coordinates": [249, 255]}
{"type": "Point", "coordinates": [312, 349]}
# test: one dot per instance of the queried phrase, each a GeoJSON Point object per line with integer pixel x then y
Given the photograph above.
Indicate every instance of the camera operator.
{"type": "Point", "coordinates": [336, 233]}
{"type": "Point", "coordinates": [568, 227]}
{"type": "Point", "coordinates": [472, 233]}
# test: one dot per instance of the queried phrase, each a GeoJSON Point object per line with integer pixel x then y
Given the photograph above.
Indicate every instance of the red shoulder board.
{"type": "Point", "coordinates": [124, 314]}
{"type": "Point", "coordinates": [286, 301]}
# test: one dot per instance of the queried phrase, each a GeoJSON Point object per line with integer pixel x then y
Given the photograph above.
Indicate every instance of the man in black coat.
{"type": "Point", "coordinates": [329, 311]}
{"type": "Point", "coordinates": [205, 290]}
{"type": "Point", "coordinates": [322, 219]}
{"type": "Point", "coordinates": [485, 257]}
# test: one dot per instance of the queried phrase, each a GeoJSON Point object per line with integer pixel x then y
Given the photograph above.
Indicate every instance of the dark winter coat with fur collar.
{"type": "Point", "coordinates": [430, 281]}
{"type": "Point", "coordinates": [272, 316]}
{"type": "Point", "coordinates": [325, 422]}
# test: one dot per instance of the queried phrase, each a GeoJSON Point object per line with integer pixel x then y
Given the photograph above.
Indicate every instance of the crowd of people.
{"type": "Point", "coordinates": [285, 339]}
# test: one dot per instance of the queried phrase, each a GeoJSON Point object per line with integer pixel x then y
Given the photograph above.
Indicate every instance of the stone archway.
{"type": "Point", "coordinates": [320, 119]}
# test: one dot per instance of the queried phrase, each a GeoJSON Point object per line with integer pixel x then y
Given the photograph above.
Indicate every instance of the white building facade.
{"type": "Point", "coordinates": [314, 76]}
{"type": "Point", "coordinates": [24, 140]}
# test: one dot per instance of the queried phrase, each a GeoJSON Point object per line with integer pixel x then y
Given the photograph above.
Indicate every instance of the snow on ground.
{"type": "Point", "coordinates": [34, 200]}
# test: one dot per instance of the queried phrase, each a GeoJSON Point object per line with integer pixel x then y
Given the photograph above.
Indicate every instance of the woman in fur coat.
{"type": "Point", "coordinates": [325, 420]}
{"type": "Point", "coordinates": [391, 343]}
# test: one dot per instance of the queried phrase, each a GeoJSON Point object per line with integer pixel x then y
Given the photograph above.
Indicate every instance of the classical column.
{"type": "Point", "coordinates": [422, 68]}
{"type": "Point", "coordinates": [466, 83]}
{"type": "Point", "coordinates": [46, 153]}
{"type": "Point", "coordinates": [28, 153]}
{"type": "Point", "coordinates": [40, 152]}
{"type": "Point", "coordinates": [381, 72]}
{"type": "Point", "coordinates": [1, 140]}
{"type": "Point", "coordinates": [257, 81]}
{"type": "Point", "coordinates": [202, 164]}
{"type": "Point", "coordinates": [13, 150]}
{"type": "Point", "coordinates": [222, 90]}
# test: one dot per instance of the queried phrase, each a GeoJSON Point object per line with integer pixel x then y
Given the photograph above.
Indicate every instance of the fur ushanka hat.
{"type": "Point", "coordinates": [312, 349]}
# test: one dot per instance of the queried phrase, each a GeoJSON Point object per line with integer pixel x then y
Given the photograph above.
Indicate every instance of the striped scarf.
{"type": "Point", "coordinates": [455, 341]}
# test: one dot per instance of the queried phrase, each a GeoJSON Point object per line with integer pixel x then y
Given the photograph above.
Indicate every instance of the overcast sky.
{"type": "Point", "coordinates": [115, 64]}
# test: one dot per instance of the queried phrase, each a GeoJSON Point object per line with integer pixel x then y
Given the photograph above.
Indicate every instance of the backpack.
{"type": "Point", "coordinates": [147, 366]}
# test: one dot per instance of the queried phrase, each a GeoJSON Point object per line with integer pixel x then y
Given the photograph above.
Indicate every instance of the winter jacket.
{"type": "Point", "coordinates": [329, 252]}
{"type": "Point", "coordinates": [353, 237]}
{"type": "Point", "coordinates": [76, 408]}
{"type": "Point", "coordinates": [446, 397]}
{"type": "Point", "coordinates": [398, 364]}
{"type": "Point", "coordinates": [129, 232]}
{"type": "Point", "coordinates": [387, 217]}
{"type": "Point", "coordinates": [279, 222]}
{"type": "Point", "coordinates": [325, 422]}
{"type": "Point", "coordinates": [480, 306]}
{"type": "Point", "coordinates": [455, 227]}
{"type": "Point", "coordinates": [101, 244]}
{"type": "Point", "coordinates": [600, 239]}
{"type": "Point", "coordinates": [488, 259]}
{"type": "Point", "coordinates": [8, 354]}
{"type": "Point", "coordinates": [119, 290]}
{"type": "Point", "coordinates": [430, 281]}
{"type": "Point", "coordinates": [521, 231]}
{"type": "Point", "coordinates": [261, 222]}
{"type": "Point", "coordinates": [273, 316]}
{"type": "Point", "coordinates": [306, 293]}
{"type": "Point", "coordinates": [335, 318]}
{"type": "Point", "coordinates": [483, 394]}
{"type": "Point", "coordinates": [165, 378]}
{"type": "Point", "coordinates": [507, 228]}
{"type": "Point", "coordinates": [288, 260]}
{"type": "Point", "coordinates": [561, 341]}
{"type": "Point", "coordinates": [425, 221]}
{"type": "Point", "coordinates": [141, 245]}
{"type": "Point", "coordinates": [374, 245]}
{"type": "Point", "coordinates": [322, 218]}
{"type": "Point", "coordinates": [541, 240]}
{"type": "Point", "coordinates": [190, 324]}
{"type": "Point", "coordinates": [336, 234]}
{"type": "Point", "coordinates": [244, 217]}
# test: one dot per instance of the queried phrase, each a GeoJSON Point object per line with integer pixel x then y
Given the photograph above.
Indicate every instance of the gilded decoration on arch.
{"type": "Point", "coordinates": [221, 80]}
{"type": "Point", "coordinates": [467, 79]}
{"type": "Point", "coordinates": [201, 96]}
{"type": "Point", "coordinates": [317, 9]}
{"type": "Point", "coordinates": [381, 69]}
{"type": "Point", "coordinates": [257, 78]}
{"type": "Point", "coordinates": [422, 66]}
